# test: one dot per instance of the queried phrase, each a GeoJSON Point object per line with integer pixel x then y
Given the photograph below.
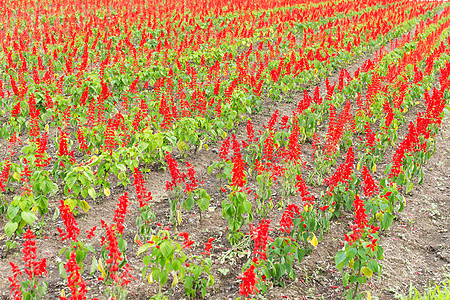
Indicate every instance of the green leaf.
{"type": "Point", "coordinates": [188, 203]}
{"type": "Point", "coordinates": [339, 259]}
{"type": "Point", "coordinates": [368, 272]}
{"type": "Point", "coordinates": [28, 216]}
{"type": "Point", "coordinates": [142, 146]}
{"type": "Point", "coordinates": [71, 181]}
{"type": "Point", "coordinates": [92, 193]}
{"type": "Point", "coordinates": [89, 248]}
{"type": "Point", "coordinates": [166, 248]}
{"type": "Point", "coordinates": [345, 278]}
{"type": "Point", "coordinates": [203, 202]}
{"type": "Point", "coordinates": [373, 265]}
{"type": "Point", "coordinates": [45, 187]}
{"type": "Point", "coordinates": [84, 193]}
{"type": "Point", "coordinates": [122, 245]}
{"type": "Point", "coordinates": [163, 277]}
{"type": "Point", "coordinates": [146, 260]}
{"type": "Point", "coordinates": [84, 205]}
{"type": "Point", "coordinates": [62, 271]}
{"type": "Point", "coordinates": [12, 212]}
{"type": "Point", "coordinates": [247, 206]}
{"type": "Point", "coordinates": [144, 248]}
{"type": "Point", "coordinates": [94, 266]}
{"type": "Point", "coordinates": [83, 180]}
{"type": "Point", "coordinates": [224, 271]}
{"type": "Point", "coordinates": [409, 188]}
{"type": "Point", "coordinates": [386, 221]}
{"type": "Point", "coordinates": [380, 252]}
{"type": "Point", "coordinates": [71, 203]}
{"type": "Point", "coordinates": [10, 228]}
{"type": "Point", "coordinates": [176, 265]}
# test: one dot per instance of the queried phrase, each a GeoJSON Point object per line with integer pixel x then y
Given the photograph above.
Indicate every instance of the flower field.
{"type": "Point", "coordinates": [210, 149]}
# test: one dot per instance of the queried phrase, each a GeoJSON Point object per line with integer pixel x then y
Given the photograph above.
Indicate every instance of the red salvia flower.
{"type": "Point", "coordinates": [48, 101]}
{"type": "Point", "coordinates": [268, 147]}
{"type": "Point", "coordinates": [90, 232]}
{"type": "Point", "coordinates": [370, 137]}
{"type": "Point", "coordinates": [238, 179]}
{"type": "Point", "coordinates": [284, 122]}
{"type": "Point", "coordinates": [294, 148]}
{"type": "Point", "coordinates": [187, 243]}
{"type": "Point", "coordinates": [193, 182]}
{"type": "Point", "coordinates": [301, 186]}
{"type": "Point", "coordinates": [82, 141]}
{"type": "Point", "coordinates": [286, 219]}
{"type": "Point", "coordinates": [41, 160]}
{"type": "Point", "coordinates": [16, 110]}
{"type": "Point", "coordinates": [29, 252]}
{"type": "Point", "coordinates": [224, 149]}
{"type": "Point", "coordinates": [324, 208]}
{"type": "Point", "coordinates": [84, 96]}
{"type": "Point", "coordinates": [141, 192]}
{"type": "Point", "coordinates": [361, 222]}
{"type": "Point", "coordinates": [33, 267]}
{"type": "Point", "coordinates": [14, 86]}
{"type": "Point", "coordinates": [208, 246]}
{"type": "Point", "coordinates": [317, 99]}
{"type": "Point", "coordinates": [177, 176]}
{"type": "Point", "coordinates": [389, 114]}
{"type": "Point", "coordinates": [370, 187]}
{"type": "Point", "coordinates": [15, 293]}
{"type": "Point", "coordinates": [114, 254]}
{"type": "Point", "coordinates": [2, 93]}
{"type": "Point", "coordinates": [62, 143]}
{"type": "Point", "coordinates": [343, 172]}
{"type": "Point", "coordinates": [304, 193]}
{"type": "Point", "coordinates": [5, 172]}
{"type": "Point", "coordinates": [273, 120]}
{"type": "Point", "coordinates": [372, 244]}
{"type": "Point", "coordinates": [120, 212]}
{"type": "Point", "coordinates": [360, 213]}
{"type": "Point", "coordinates": [405, 146]}
{"type": "Point", "coordinates": [304, 103]}
{"type": "Point", "coordinates": [260, 236]}
{"type": "Point", "coordinates": [249, 281]}
{"type": "Point", "coordinates": [72, 230]}
{"type": "Point", "coordinates": [110, 141]}
{"type": "Point", "coordinates": [75, 282]}
{"type": "Point", "coordinates": [126, 276]}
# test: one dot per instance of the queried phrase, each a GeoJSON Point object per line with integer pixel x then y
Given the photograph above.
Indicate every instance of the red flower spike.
{"type": "Point", "coordinates": [177, 176]}
{"type": "Point", "coordinates": [238, 179]}
{"type": "Point", "coordinates": [260, 236]}
{"type": "Point", "coordinates": [72, 230]}
{"type": "Point", "coordinates": [370, 187]}
{"type": "Point", "coordinates": [208, 246]}
{"type": "Point", "coordinates": [120, 212]}
{"type": "Point", "coordinates": [142, 196]}
{"type": "Point", "coordinates": [286, 219]}
{"type": "Point", "coordinates": [248, 285]}
{"type": "Point", "coordinates": [75, 283]}
{"type": "Point", "coordinates": [90, 232]}
{"type": "Point", "coordinates": [224, 149]}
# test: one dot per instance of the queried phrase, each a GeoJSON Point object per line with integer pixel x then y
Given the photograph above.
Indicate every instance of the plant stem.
{"type": "Point", "coordinates": [356, 289]}
{"type": "Point", "coordinates": [357, 282]}
{"type": "Point", "coordinates": [233, 249]}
